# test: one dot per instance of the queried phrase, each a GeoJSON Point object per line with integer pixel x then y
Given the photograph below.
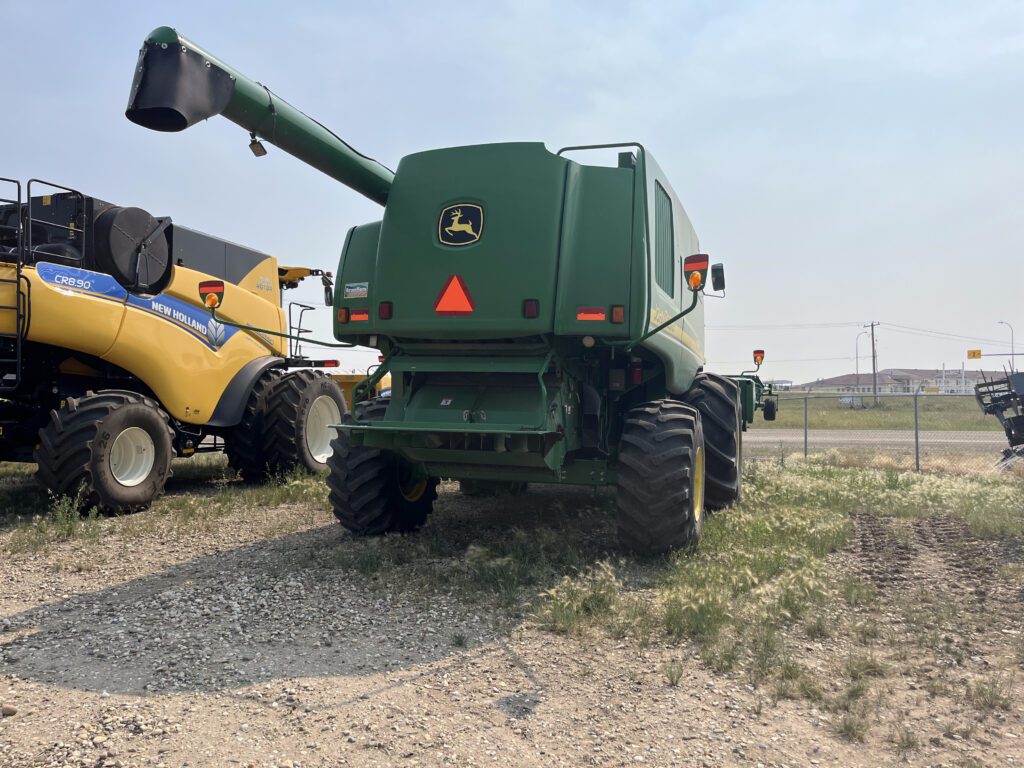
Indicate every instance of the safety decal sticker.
{"type": "Point", "coordinates": [356, 290]}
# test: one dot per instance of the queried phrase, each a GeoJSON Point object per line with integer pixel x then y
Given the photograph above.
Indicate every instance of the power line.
{"type": "Point", "coordinates": [910, 330]}
{"type": "Point", "coordinates": [896, 327]}
{"type": "Point", "coordinates": [779, 327]}
{"type": "Point", "coordinates": [790, 360]}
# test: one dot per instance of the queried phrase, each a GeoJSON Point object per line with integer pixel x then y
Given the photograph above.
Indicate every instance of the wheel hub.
{"type": "Point", "coordinates": [132, 456]}
{"type": "Point", "coordinates": [323, 412]}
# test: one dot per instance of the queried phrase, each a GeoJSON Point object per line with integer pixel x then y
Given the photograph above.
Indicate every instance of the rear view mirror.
{"type": "Point", "coordinates": [718, 277]}
{"type": "Point", "coordinates": [327, 279]}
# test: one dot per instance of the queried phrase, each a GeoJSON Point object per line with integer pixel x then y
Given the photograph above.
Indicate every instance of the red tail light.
{"type": "Point", "coordinates": [360, 314]}
{"type": "Point", "coordinates": [531, 309]}
{"type": "Point", "coordinates": [636, 371]}
{"type": "Point", "coordinates": [331, 363]}
{"type": "Point", "coordinates": [385, 310]}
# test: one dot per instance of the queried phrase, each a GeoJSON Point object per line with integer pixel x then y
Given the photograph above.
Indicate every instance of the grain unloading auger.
{"type": "Point", "coordinates": [542, 319]}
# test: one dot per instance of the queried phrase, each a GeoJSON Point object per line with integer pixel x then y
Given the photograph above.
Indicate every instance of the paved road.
{"type": "Point", "coordinates": [965, 441]}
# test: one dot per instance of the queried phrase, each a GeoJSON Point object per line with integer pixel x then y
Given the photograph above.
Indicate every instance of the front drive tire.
{"type": "Point", "coordinates": [113, 448]}
{"type": "Point", "coordinates": [721, 414]}
{"type": "Point", "coordinates": [244, 444]}
{"type": "Point", "coordinates": [300, 407]}
{"type": "Point", "coordinates": [660, 493]}
{"type": "Point", "coordinates": [373, 492]}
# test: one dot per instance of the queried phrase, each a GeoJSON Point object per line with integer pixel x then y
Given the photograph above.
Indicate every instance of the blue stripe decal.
{"type": "Point", "coordinates": [188, 317]}
{"type": "Point", "coordinates": [81, 280]}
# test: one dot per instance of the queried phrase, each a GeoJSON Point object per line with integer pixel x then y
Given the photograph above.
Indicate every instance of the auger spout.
{"type": "Point", "coordinates": [177, 84]}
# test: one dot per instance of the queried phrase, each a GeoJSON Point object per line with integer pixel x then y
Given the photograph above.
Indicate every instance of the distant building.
{"type": "Point", "coordinates": [781, 385]}
{"type": "Point", "coordinates": [902, 381]}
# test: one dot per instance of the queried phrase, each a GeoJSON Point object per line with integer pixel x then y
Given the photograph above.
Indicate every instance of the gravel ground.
{"type": "Point", "coordinates": [243, 643]}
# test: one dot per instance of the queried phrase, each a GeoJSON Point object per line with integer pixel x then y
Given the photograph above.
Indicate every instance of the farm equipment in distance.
{"type": "Point", "coordinates": [1004, 399]}
{"type": "Point", "coordinates": [110, 367]}
{"type": "Point", "coordinates": [542, 318]}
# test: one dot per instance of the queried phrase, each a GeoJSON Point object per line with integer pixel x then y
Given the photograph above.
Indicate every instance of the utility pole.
{"type": "Point", "coordinates": [874, 362]}
{"type": "Point", "coordinates": [856, 356]}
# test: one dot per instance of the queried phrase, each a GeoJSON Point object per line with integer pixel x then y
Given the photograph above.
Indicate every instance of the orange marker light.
{"type": "Point", "coordinates": [591, 313]}
{"type": "Point", "coordinates": [212, 293]}
{"type": "Point", "coordinates": [342, 315]}
{"type": "Point", "coordinates": [758, 356]}
{"type": "Point", "coordinates": [695, 281]}
{"type": "Point", "coordinates": [454, 299]}
{"type": "Point", "coordinates": [618, 314]}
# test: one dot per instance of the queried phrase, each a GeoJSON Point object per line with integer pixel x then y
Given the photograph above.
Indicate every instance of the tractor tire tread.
{"type": "Point", "coordinates": [649, 497]}
{"type": "Point", "coordinates": [718, 400]}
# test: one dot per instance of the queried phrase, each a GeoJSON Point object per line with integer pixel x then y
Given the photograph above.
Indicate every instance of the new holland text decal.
{"type": "Point", "coordinates": [197, 322]}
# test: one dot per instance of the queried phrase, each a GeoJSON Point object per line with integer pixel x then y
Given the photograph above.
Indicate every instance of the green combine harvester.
{"type": "Point", "coordinates": [542, 319]}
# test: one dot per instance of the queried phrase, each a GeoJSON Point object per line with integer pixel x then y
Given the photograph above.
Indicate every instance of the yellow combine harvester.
{"type": "Point", "coordinates": [110, 366]}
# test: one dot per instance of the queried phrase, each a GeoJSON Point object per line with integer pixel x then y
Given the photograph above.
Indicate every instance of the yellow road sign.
{"type": "Point", "coordinates": [974, 354]}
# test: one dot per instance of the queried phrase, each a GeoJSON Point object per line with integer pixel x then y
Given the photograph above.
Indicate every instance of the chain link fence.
{"type": "Point", "coordinates": [923, 432]}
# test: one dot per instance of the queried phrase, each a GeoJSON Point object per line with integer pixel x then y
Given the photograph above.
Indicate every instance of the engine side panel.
{"type": "Point", "coordinates": [167, 341]}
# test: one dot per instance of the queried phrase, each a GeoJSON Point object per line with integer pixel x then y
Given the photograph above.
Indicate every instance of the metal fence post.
{"type": "Point", "coordinates": [917, 435]}
{"type": "Point", "coordinates": [806, 401]}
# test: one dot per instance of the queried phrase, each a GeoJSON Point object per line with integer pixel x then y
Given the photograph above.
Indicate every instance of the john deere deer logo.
{"type": "Point", "coordinates": [460, 224]}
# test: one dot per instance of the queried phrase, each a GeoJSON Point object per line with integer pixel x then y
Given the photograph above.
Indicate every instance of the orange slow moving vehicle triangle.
{"type": "Point", "coordinates": [454, 299]}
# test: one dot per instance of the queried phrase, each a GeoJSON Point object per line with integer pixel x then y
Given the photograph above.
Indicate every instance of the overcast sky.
{"type": "Point", "coordinates": [848, 162]}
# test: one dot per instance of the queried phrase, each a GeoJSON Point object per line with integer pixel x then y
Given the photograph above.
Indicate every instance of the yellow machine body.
{"type": "Point", "coordinates": [167, 341]}
{"type": "Point", "coordinates": [348, 382]}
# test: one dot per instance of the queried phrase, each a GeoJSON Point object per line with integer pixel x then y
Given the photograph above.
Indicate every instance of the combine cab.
{"type": "Point", "coordinates": [110, 366]}
{"type": "Point", "coordinates": [541, 318]}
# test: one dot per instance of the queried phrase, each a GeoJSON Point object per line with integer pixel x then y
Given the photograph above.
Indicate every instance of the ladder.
{"type": "Point", "coordinates": [13, 300]}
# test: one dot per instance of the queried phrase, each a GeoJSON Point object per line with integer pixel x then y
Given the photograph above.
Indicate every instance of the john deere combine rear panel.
{"type": "Point", "coordinates": [110, 367]}
{"type": "Point", "coordinates": [542, 319]}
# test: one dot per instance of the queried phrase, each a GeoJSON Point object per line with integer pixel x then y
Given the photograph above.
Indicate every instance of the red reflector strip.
{"type": "Point", "coordinates": [211, 286]}
{"type": "Point", "coordinates": [697, 262]}
{"type": "Point", "coordinates": [331, 363]}
{"type": "Point", "coordinates": [360, 314]}
{"type": "Point", "coordinates": [591, 313]}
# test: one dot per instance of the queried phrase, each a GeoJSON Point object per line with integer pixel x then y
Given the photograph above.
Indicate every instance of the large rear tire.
{"type": "Point", "coordinates": [721, 414]}
{"type": "Point", "coordinates": [244, 445]}
{"type": "Point", "coordinates": [660, 493]}
{"type": "Point", "coordinates": [300, 408]}
{"type": "Point", "coordinates": [373, 492]}
{"type": "Point", "coordinates": [112, 450]}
